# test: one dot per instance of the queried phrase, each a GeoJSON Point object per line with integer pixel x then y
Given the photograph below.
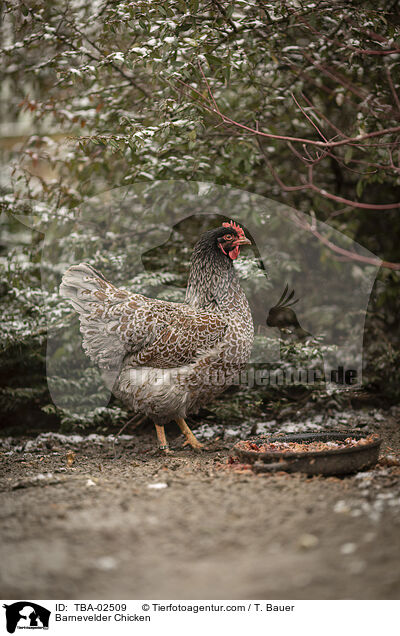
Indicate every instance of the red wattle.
{"type": "Point", "coordinates": [235, 252]}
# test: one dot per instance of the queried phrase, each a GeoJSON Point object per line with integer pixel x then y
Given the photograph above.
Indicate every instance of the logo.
{"type": "Point", "coordinates": [308, 301]}
{"type": "Point", "coordinates": [26, 615]}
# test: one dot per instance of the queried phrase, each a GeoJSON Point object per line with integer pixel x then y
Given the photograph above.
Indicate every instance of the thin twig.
{"type": "Point", "coordinates": [320, 144]}
{"type": "Point", "coordinates": [137, 420]}
{"type": "Point", "coordinates": [392, 88]}
{"type": "Point", "coordinates": [309, 118]}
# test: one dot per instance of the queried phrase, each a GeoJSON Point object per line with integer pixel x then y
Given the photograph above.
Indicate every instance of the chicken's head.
{"type": "Point", "coordinates": [230, 238]}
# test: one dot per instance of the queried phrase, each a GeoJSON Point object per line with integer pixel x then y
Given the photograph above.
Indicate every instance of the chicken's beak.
{"type": "Point", "coordinates": [243, 240]}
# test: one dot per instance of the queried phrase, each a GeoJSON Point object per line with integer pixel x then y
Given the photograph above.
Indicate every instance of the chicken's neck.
{"type": "Point", "coordinates": [213, 283]}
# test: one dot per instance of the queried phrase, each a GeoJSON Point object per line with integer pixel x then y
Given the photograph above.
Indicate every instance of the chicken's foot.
{"type": "Point", "coordinates": [190, 438]}
{"type": "Point", "coordinates": [162, 440]}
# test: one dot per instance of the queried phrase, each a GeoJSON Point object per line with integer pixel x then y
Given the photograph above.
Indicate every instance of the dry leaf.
{"type": "Point", "coordinates": [70, 458]}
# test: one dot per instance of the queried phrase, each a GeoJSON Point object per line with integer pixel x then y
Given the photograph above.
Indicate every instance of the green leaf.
{"type": "Point", "coordinates": [213, 60]}
{"type": "Point", "coordinates": [348, 154]}
{"type": "Point", "coordinates": [230, 11]}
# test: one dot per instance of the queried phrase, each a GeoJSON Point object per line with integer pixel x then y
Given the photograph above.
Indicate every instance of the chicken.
{"type": "Point", "coordinates": [163, 359]}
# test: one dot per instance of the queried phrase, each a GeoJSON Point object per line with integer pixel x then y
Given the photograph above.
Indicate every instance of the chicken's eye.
{"type": "Point", "coordinates": [228, 237]}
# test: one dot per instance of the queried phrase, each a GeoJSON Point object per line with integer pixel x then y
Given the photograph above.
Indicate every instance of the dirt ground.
{"type": "Point", "coordinates": [79, 519]}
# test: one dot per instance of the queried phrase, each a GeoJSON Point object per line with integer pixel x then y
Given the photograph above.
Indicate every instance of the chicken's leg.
{"type": "Point", "coordinates": [162, 439]}
{"type": "Point", "coordinates": [190, 438]}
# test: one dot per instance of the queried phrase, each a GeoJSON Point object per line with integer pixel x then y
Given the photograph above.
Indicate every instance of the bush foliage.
{"type": "Point", "coordinates": [296, 101]}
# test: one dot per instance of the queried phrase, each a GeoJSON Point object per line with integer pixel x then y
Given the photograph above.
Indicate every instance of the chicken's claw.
{"type": "Point", "coordinates": [194, 443]}
{"type": "Point", "coordinates": [190, 438]}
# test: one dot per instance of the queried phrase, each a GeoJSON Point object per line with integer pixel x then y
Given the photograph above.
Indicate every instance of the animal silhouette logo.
{"type": "Point", "coordinates": [26, 615]}
{"type": "Point", "coordinates": [284, 317]}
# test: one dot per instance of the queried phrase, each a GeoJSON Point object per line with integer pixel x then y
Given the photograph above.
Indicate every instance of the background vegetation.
{"type": "Point", "coordinates": [297, 101]}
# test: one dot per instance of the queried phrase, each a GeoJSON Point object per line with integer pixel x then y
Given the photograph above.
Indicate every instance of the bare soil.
{"type": "Point", "coordinates": [79, 520]}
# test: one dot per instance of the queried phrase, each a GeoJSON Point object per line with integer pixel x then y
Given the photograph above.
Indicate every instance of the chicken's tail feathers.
{"type": "Point", "coordinates": [96, 301]}
{"type": "Point", "coordinates": [87, 289]}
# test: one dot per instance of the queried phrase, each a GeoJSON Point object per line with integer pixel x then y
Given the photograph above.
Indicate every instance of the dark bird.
{"type": "Point", "coordinates": [163, 359]}
{"type": "Point", "coordinates": [284, 317]}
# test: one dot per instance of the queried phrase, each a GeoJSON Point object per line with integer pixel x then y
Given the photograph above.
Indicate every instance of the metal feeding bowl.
{"type": "Point", "coordinates": [329, 461]}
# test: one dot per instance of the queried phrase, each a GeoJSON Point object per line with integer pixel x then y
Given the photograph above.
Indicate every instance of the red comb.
{"type": "Point", "coordinates": [235, 227]}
